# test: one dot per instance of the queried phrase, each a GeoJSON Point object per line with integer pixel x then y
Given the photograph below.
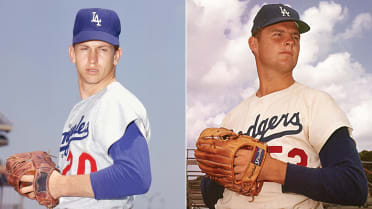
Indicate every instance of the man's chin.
{"type": "Point", "coordinates": [90, 81]}
{"type": "Point", "coordinates": [287, 65]}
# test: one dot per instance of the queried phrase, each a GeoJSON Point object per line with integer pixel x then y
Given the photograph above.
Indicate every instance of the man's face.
{"type": "Point", "coordinates": [95, 61]}
{"type": "Point", "coordinates": [277, 47]}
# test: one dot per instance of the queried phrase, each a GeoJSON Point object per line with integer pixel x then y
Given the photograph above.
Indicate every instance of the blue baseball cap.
{"type": "Point", "coordinates": [96, 24]}
{"type": "Point", "coordinates": [270, 14]}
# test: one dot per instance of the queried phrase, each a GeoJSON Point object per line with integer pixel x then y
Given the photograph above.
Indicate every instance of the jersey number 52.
{"type": "Point", "coordinates": [291, 154]}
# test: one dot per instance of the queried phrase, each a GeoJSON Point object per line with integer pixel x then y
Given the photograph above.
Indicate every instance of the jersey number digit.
{"type": "Point", "coordinates": [293, 153]}
{"type": "Point", "coordinates": [68, 167]}
{"type": "Point", "coordinates": [81, 164]}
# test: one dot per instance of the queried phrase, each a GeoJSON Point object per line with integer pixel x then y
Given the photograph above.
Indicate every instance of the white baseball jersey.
{"type": "Point", "coordinates": [295, 122]}
{"type": "Point", "coordinates": [93, 125]}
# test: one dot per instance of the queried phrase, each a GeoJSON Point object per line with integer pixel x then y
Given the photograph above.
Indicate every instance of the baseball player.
{"type": "Point", "coordinates": [103, 156]}
{"type": "Point", "coordinates": [313, 158]}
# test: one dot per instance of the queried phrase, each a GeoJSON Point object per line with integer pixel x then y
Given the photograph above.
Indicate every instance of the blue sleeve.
{"type": "Point", "coordinates": [130, 174]}
{"type": "Point", "coordinates": [211, 191]}
{"type": "Point", "coordinates": [341, 179]}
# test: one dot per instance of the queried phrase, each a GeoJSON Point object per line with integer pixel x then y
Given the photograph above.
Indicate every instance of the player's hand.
{"type": "Point", "coordinates": [242, 158]}
{"type": "Point", "coordinates": [27, 187]}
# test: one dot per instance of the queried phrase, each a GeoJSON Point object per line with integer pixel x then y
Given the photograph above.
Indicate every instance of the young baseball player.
{"type": "Point", "coordinates": [312, 158]}
{"type": "Point", "coordinates": [104, 156]}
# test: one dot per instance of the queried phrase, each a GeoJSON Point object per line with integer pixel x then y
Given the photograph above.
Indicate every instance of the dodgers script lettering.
{"type": "Point", "coordinates": [78, 132]}
{"type": "Point", "coordinates": [260, 128]}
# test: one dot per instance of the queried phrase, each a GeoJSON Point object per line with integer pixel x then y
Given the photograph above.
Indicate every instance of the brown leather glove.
{"type": "Point", "coordinates": [216, 151]}
{"type": "Point", "coordinates": [36, 163]}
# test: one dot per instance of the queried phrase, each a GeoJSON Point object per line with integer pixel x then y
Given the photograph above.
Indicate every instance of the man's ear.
{"type": "Point", "coordinates": [71, 53]}
{"type": "Point", "coordinates": [117, 56]}
{"type": "Point", "coordinates": [253, 44]}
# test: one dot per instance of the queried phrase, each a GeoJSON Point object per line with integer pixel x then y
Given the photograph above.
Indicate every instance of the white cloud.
{"type": "Point", "coordinates": [217, 46]}
{"type": "Point", "coordinates": [337, 68]}
{"type": "Point", "coordinates": [360, 117]}
{"type": "Point", "coordinates": [201, 116]}
{"type": "Point", "coordinates": [221, 69]}
{"type": "Point", "coordinates": [249, 91]}
{"type": "Point", "coordinates": [322, 19]}
{"type": "Point", "coordinates": [361, 22]}
{"type": "Point", "coordinates": [220, 72]}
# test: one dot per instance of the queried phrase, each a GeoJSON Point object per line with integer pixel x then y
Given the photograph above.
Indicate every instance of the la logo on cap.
{"type": "Point", "coordinates": [96, 19]}
{"type": "Point", "coordinates": [284, 12]}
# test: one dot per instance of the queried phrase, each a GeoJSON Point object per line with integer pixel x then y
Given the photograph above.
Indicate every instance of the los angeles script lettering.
{"type": "Point", "coordinates": [290, 122]}
{"type": "Point", "coordinates": [78, 132]}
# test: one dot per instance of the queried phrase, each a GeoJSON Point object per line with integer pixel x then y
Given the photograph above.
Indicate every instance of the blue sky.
{"type": "Point", "coordinates": [38, 83]}
{"type": "Point", "coordinates": [335, 57]}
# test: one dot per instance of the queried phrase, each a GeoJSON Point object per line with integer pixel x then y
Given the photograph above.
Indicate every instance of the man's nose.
{"type": "Point", "coordinates": [92, 56]}
{"type": "Point", "coordinates": [289, 40]}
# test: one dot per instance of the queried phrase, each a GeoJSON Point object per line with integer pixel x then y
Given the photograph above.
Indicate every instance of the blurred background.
{"type": "Point", "coordinates": [38, 84]}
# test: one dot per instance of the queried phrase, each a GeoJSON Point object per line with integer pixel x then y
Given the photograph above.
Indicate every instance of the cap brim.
{"type": "Point", "coordinates": [302, 26]}
{"type": "Point", "coordinates": [95, 35]}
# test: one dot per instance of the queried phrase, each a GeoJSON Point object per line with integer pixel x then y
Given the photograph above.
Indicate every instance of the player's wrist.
{"type": "Point", "coordinates": [273, 170]}
{"type": "Point", "coordinates": [265, 169]}
{"type": "Point", "coordinates": [54, 189]}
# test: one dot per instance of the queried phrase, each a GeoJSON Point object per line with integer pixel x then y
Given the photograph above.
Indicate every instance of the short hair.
{"type": "Point", "coordinates": [257, 33]}
{"type": "Point", "coordinates": [116, 47]}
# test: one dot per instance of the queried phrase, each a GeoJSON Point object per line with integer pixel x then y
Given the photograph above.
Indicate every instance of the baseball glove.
{"type": "Point", "coordinates": [36, 163]}
{"type": "Point", "coordinates": [215, 154]}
